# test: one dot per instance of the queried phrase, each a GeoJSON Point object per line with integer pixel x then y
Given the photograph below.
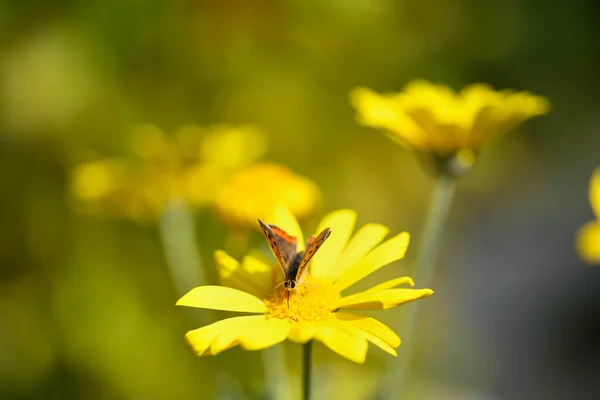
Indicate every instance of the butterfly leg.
{"type": "Point", "coordinates": [299, 295]}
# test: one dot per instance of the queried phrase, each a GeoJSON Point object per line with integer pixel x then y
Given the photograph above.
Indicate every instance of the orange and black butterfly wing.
{"type": "Point", "coordinates": [282, 244]}
{"type": "Point", "coordinates": [313, 245]}
{"type": "Point", "coordinates": [287, 244]}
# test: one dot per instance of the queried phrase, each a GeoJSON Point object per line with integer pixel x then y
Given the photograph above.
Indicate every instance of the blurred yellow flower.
{"type": "Point", "coordinates": [313, 312]}
{"type": "Point", "coordinates": [191, 166]}
{"type": "Point", "coordinates": [588, 237]}
{"type": "Point", "coordinates": [255, 191]}
{"type": "Point", "coordinates": [444, 127]}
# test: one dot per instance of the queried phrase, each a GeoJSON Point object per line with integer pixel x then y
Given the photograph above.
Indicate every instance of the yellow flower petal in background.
{"type": "Point", "coordinates": [222, 298]}
{"type": "Point", "coordinates": [94, 180]}
{"type": "Point", "coordinates": [381, 111]}
{"type": "Point", "coordinates": [588, 237]}
{"type": "Point", "coordinates": [341, 224]}
{"type": "Point", "coordinates": [588, 242]}
{"type": "Point", "coordinates": [201, 183]}
{"type": "Point", "coordinates": [284, 219]}
{"type": "Point", "coordinates": [438, 123]}
{"type": "Point", "coordinates": [191, 166]}
{"type": "Point", "coordinates": [199, 166]}
{"type": "Point", "coordinates": [595, 192]}
{"type": "Point", "coordinates": [150, 143]}
{"type": "Point", "coordinates": [256, 191]}
{"type": "Point", "coordinates": [387, 252]}
{"type": "Point", "coordinates": [232, 147]}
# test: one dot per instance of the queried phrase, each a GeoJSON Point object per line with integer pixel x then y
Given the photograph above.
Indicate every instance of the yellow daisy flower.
{"type": "Point", "coordinates": [444, 127]}
{"type": "Point", "coordinates": [588, 237]}
{"type": "Point", "coordinates": [190, 166]}
{"type": "Point", "coordinates": [316, 310]}
{"type": "Point", "coordinates": [255, 191]}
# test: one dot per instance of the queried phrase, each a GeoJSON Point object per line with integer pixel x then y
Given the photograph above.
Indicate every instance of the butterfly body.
{"type": "Point", "coordinates": [294, 264]}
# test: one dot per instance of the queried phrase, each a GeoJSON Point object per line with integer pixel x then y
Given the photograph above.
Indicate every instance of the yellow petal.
{"type": "Point", "coordinates": [255, 192]}
{"type": "Point", "coordinates": [588, 242]}
{"type": "Point", "coordinates": [373, 109]}
{"type": "Point", "coordinates": [385, 112]}
{"type": "Point", "coordinates": [251, 332]}
{"type": "Point", "coordinates": [405, 280]}
{"type": "Point", "coordinates": [302, 332]}
{"type": "Point", "coordinates": [379, 343]}
{"type": "Point", "coordinates": [222, 298]}
{"type": "Point", "coordinates": [202, 340]}
{"type": "Point", "coordinates": [361, 243]}
{"type": "Point", "coordinates": [264, 333]}
{"type": "Point", "coordinates": [595, 192]}
{"type": "Point", "coordinates": [227, 336]}
{"type": "Point", "coordinates": [374, 331]}
{"type": "Point", "coordinates": [383, 299]}
{"type": "Point", "coordinates": [228, 147]}
{"type": "Point", "coordinates": [389, 251]}
{"type": "Point", "coordinates": [252, 276]}
{"type": "Point", "coordinates": [225, 340]}
{"type": "Point", "coordinates": [149, 142]}
{"type": "Point", "coordinates": [344, 342]}
{"type": "Point", "coordinates": [285, 219]}
{"type": "Point", "coordinates": [259, 274]}
{"type": "Point", "coordinates": [94, 180]}
{"type": "Point", "coordinates": [341, 223]}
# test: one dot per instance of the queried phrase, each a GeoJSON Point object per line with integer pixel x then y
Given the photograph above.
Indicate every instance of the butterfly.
{"type": "Point", "coordinates": [294, 264]}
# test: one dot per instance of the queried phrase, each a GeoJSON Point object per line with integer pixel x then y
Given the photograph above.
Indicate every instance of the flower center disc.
{"type": "Point", "coordinates": [312, 300]}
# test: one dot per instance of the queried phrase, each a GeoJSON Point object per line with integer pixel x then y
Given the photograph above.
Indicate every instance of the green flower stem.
{"type": "Point", "coordinates": [307, 370]}
{"type": "Point", "coordinates": [435, 225]}
{"type": "Point", "coordinates": [437, 217]}
{"type": "Point", "coordinates": [276, 377]}
{"type": "Point", "coordinates": [182, 254]}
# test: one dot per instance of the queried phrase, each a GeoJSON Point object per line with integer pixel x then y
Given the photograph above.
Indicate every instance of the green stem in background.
{"type": "Point", "coordinates": [276, 377]}
{"type": "Point", "coordinates": [431, 239]}
{"type": "Point", "coordinates": [307, 370]}
{"type": "Point", "coordinates": [182, 254]}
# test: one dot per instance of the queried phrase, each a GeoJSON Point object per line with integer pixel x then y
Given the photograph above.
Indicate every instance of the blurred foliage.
{"type": "Point", "coordinates": [87, 303]}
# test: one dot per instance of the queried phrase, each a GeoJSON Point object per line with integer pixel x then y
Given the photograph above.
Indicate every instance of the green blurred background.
{"type": "Point", "coordinates": [87, 303]}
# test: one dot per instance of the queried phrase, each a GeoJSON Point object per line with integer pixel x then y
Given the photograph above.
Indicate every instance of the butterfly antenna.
{"type": "Point", "coordinates": [272, 290]}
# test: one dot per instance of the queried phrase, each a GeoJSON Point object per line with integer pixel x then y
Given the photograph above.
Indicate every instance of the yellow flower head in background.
{"type": "Point", "coordinates": [190, 166]}
{"type": "Point", "coordinates": [447, 127]}
{"type": "Point", "coordinates": [255, 191]}
{"type": "Point", "coordinates": [315, 311]}
{"type": "Point", "coordinates": [588, 237]}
